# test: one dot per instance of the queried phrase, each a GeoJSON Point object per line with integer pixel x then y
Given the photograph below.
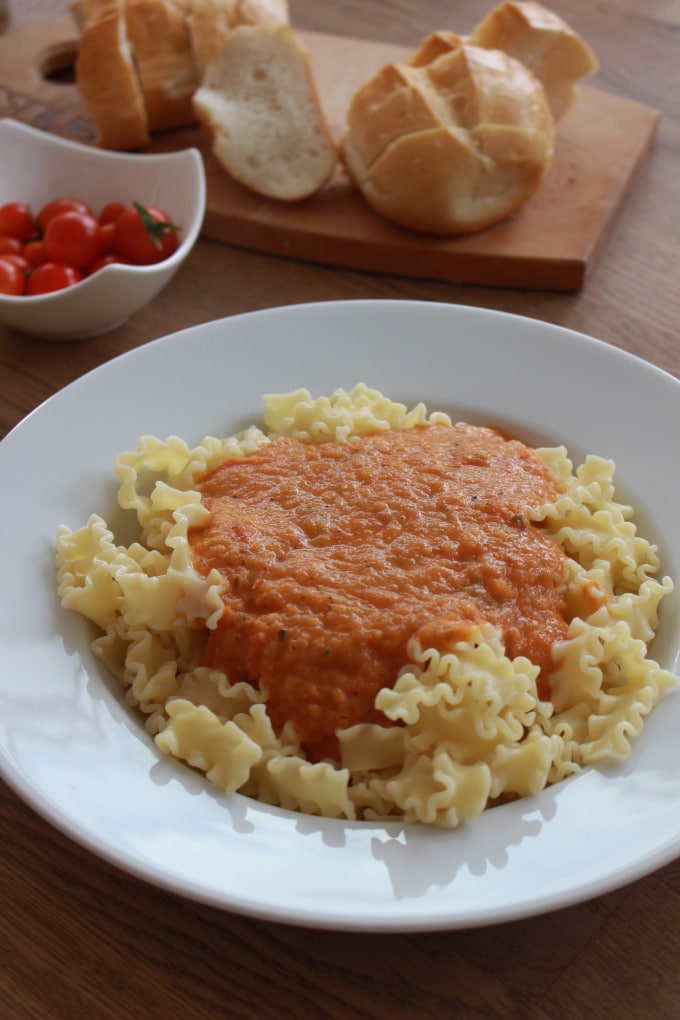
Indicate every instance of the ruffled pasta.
{"type": "Point", "coordinates": [466, 727]}
{"type": "Point", "coordinates": [470, 731]}
{"type": "Point", "coordinates": [342, 417]}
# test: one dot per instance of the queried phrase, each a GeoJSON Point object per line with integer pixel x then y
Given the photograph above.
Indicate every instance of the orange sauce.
{"type": "Point", "coordinates": [335, 555]}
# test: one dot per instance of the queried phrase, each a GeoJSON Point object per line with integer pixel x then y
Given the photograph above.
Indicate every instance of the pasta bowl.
{"type": "Point", "coordinates": [36, 167]}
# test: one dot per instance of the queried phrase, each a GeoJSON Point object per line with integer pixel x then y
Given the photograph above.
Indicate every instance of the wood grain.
{"type": "Point", "coordinates": [79, 939]}
{"type": "Point", "coordinates": [552, 242]}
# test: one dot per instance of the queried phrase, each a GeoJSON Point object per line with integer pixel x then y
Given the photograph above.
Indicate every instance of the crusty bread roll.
{"type": "Point", "coordinates": [106, 76]}
{"type": "Point", "coordinates": [544, 43]}
{"type": "Point", "coordinates": [450, 146]}
{"type": "Point", "coordinates": [260, 103]}
{"type": "Point", "coordinates": [433, 46]}
{"type": "Point", "coordinates": [210, 21]}
{"type": "Point", "coordinates": [161, 44]}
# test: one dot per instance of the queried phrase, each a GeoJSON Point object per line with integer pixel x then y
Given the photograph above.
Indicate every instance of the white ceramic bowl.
{"type": "Point", "coordinates": [36, 167]}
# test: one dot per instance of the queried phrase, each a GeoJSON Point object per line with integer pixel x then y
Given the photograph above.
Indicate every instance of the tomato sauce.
{"type": "Point", "coordinates": [334, 555]}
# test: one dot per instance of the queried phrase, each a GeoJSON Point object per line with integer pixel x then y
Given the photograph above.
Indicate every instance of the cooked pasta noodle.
{"type": "Point", "coordinates": [461, 726]}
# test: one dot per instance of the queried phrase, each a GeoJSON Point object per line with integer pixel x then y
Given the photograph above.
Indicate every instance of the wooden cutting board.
{"type": "Point", "coordinates": [552, 243]}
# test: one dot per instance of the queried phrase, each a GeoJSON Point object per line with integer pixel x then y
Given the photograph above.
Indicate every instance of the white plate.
{"type": "Point", "coordinates": [71, 749]}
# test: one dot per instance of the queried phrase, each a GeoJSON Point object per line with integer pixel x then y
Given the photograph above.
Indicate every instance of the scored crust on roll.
{"type": "Point", "coordinates": [544, 43]}
{"type": "Point", "coordinates": [260, 103]}
{"type": "Point", "coordinates": [210, 21]}
{"type": "Point", "coordinates": [114, 98]}
{"type": "Point", "coordinates": [451, 146]}
{"type": "Point", "coordinates": [433, 46]}
{"type": "Point", "coordinates": [161, 44]}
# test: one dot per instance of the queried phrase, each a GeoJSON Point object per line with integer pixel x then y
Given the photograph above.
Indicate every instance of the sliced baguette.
{"type": "Point", "coordinates": [161, 44]}
{"type": "Point", "coordinates": [88, 12]}
{"type": "Point", "coordinates": [260, 103]}
{"type": "Point", "coordinates": [106, 75]}
{"type": "Point", "coordinates": [210, 22]}
{"type": "Point", "coordinates": [140, 61]}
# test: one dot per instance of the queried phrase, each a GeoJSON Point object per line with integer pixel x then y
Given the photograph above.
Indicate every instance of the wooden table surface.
{"type": "Point", "coordinates": [78, 938]}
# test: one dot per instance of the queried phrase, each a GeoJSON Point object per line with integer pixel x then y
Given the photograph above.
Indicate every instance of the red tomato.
{"type": "Point", "coordinates": [12, 279]}
{"type": "Point", "coordinates": [19, 260]}
{"type": "Point", "coordinates": [16, 221]}
{"type": "Point", "coordinates": [74, 237]}
{"type": "Point", "coordinates": [9, 246]}
{"type": "Point", "coordinates": [107, 231]}
{"type": "Point", "coordinates": [111, 212]}
{"type": "Point", "coordinates": [51, 276]}
{"type": "Point", "coordinates": [34, 252]}
{"type": "Point", "coordinates": [144, 235]}
{"type": "Point", "coordinates": [105, 260]}
{"type": "Point", "coordinates": [60, 205]}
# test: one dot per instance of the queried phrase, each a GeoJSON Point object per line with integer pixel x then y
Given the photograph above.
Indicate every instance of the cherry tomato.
{"type": "Point", "coordinates": [107, 231]}
{"type": "Point", "coordinates": [9, 246]}
{"type": "Point", "coordinates": [144, 235]}
{"type": "Point", "coordinates": [111, 212]}
{"type": "Point", "coordinates": [34, 252]}
{"type": "Point", "coordinates": [105, 260]}
{"type": "Point", "coordinates": [51, 276]}
{"type": "Point", "coordinates": [12, 279]}
{"type": "Point", "coordinates": [16, 221]}
{"type": "Point", "coordinates": [19, 260]}
{"type": "Point", "coordinates": [61, 205]}
{"type": "Point", "coordinates": [74, 237]}
{"type": "Point", "coordinates": [66, 241]}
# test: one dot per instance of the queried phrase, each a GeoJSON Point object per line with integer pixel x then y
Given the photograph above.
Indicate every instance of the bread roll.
{"type": "Point", "coordinates": [106, 76]}
{"type": "Point", "coordinates": [433, 46]}
{"type": "Point", "coordinates": [260, 103]}
{"type": "Point", "coordinates": [450, 146]}
{"type": "Point", "coordinates": [544, 43]}
{"type": "Point", "coordinates": [210, 21]}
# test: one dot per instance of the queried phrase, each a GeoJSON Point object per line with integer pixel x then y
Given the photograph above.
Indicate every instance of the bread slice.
{"type": "Point", "coordinates": [210, 21]}
{"type": "Point", "coordinates": [106, 75]}
{"type": "Point", "coordinates": [544, 43]}
{"type": "Point", "coordinates": [450, 146]}
{"type": "Point", "coordinates": [161, 44]}
{"type": "Point", "coordinates": [88, 12]}
{"type": "Point", "coordinates": [260, 102]}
